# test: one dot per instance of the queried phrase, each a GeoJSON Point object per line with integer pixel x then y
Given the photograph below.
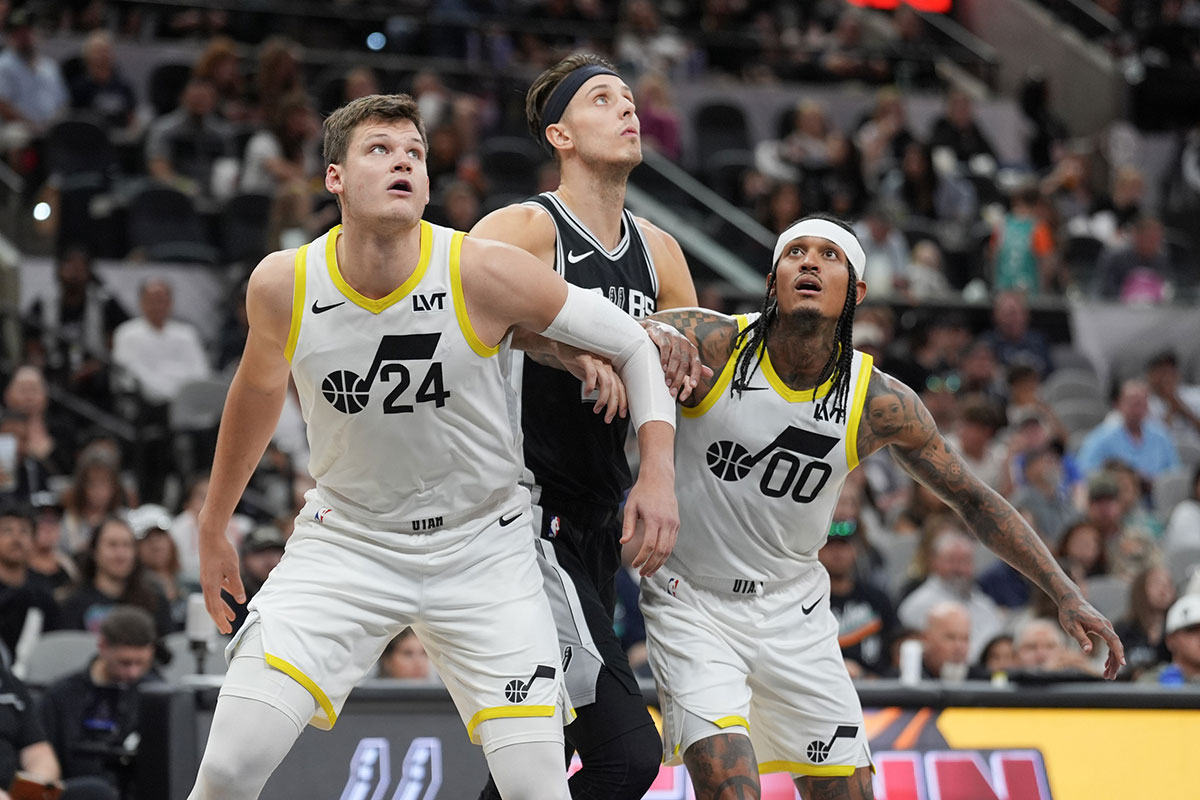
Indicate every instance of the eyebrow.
{"type": "Point", "coordinates": [607, 87]}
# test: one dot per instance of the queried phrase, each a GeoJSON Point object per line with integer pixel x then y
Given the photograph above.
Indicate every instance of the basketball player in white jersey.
{"type": "Point", "coordinates": [583, 113]}
{"type": "Point", "coordinates": [740, 636]}
{"type": "Point", "coordinates": [395, 332]}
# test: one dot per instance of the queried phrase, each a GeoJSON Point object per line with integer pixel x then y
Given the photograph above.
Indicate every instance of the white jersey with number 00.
{"type": "Point", "coordinates": [411, 418]}
{"type": "Point", "coordinates": [758, 475]}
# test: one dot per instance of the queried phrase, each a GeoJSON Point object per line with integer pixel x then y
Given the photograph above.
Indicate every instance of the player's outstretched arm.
{"type": "Point", "coordinates": [896, 417]}
{"type": "Point", "coordinates": [507, 288]}
{"type": "Point", "coordinates": [248, 421]}
{"type": "Point", "coordinates": [712, 334]}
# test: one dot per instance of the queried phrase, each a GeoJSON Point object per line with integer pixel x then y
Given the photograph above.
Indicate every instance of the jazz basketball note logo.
{"type": "Point", "coordinates": [785, 472]}
{"type": "Point", "coordinates": [516, 690]}
{"type": "Point", "coordinates": [394, 365]}
{"type": "Point", "coordinates": [818, 751]}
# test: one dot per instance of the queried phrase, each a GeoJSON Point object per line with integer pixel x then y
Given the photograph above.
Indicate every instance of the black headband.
{"type": "Point", "coordinates": [560, 98]}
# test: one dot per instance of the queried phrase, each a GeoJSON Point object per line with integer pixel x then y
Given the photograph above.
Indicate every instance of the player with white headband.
{"type": "Point", "coordinates": [741, 638]}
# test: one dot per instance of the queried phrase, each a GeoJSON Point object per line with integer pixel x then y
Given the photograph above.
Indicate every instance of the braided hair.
{"type": "Point", "coordinates": [753, 340]}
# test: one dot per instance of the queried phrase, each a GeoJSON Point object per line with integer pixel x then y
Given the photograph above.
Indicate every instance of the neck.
{"type": "Point", "coordinates": [799, 346]}
{"type": "Point", "coordinates": [43, 561]}
{"type": "Point", "coordinates": [12, 574]}
{"type": "Point", "coordinates": [108, 585]}
{"type": "Point", "coordinates": [1190, 671]}
{"type": "Point", "coordinates": [376, 260]}
{"type": "Point", "coordinates": [1135, 429]}
{"type": "Point", "coordinates": [597, 199]}
{"type": "Point", "coordinates": [96, 673]}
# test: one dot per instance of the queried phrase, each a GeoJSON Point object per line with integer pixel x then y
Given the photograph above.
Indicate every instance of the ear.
{"type": "Point", "coordinates": [333, 179]}
{"type": "Point", "coordinates": [559, 137]}
{"type": "Point", "coordinates": [860, 292]}
{"type": "Point", "coordinates": [771, 283]}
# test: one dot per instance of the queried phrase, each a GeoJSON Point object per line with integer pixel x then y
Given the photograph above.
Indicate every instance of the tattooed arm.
{"type": "Point", "coordinates": [894, 416]}
{"type": "Point", "coordinates": [712, 334]}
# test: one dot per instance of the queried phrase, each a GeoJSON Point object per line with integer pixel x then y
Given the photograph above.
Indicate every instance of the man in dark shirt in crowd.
{"type": "Point", "coordinates": [24, 748]}
{"type": "Point", "coordinates": [20, 589]}
{"type": "Point", "coordinates": [91, 714]}
{"type": "Point", "coordinates": [866, 617]}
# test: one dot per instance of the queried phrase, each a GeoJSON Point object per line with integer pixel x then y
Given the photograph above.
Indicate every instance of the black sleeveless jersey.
{"type": "Point", "coordinates": [573, 454]}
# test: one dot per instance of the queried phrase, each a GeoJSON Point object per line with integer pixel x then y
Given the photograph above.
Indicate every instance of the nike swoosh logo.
{"type": "Point", "coordinates": [506, 521]}
{"type": "Point", "coordinates": [575, 259]}
{"type": "Point", "coordinates": [808, 609]}
{"type": "Point", "coordinates": [316, 309]}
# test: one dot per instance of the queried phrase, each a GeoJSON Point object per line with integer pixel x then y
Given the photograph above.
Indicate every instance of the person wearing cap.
{"type": "Point", "coordinates": [584, 115]}
{"type": "Point", "coordinates": [159, 555]}
{"type": "Point", "coordinates": [738, 620]}
{"type": "Point", "coordinates": [1183, 640]}
{"type": "Point", "coordinates": [865, 614]}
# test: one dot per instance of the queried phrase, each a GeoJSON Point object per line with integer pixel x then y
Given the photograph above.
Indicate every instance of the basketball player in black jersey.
{"type": "Point", "coordinates": [584, 114]}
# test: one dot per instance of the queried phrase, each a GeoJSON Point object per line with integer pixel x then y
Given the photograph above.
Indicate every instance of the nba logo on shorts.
{"type": "Point", "coordinates": [321, 512]}
{"type": "Point", "coordinates": [554, 525]}
{"type": "Point", "coordinates": [672, 585]}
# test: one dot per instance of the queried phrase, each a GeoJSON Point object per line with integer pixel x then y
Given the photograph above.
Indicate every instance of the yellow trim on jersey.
{"type": "Point", "coordinates": [856, 409]}
{"type": "Point", "coordinates": [507, 712]}
{"type": "Point", "coordinates": [301, 270]}
{"type": "Point", "coordinates": [787, 393]}
{"type": "Point", "coordinates": [307, 682]}
{"type": "Point", "coordinates": [377, 305]}
{"type": "Point", "coordinates": [460, 303]}
{"type": "Point", "coordinates": [731, 721]}
{"type": "Point", "coordinates": [722, 382]}
{"type": "Point", "coordinates": [825, 770]}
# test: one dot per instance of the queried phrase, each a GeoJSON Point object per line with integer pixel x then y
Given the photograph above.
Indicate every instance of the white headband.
{"type": "Point", "coordinates": [826, 230]}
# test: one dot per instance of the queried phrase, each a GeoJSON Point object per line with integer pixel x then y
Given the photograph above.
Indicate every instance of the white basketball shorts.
{"type": "Point", "coordinates": [472, 593]}
{"type": "Point", "coordinates": [766, 662]}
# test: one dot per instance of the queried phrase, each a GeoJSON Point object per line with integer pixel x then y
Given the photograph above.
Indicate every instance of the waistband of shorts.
{"type": "Point", "coordinates": [741, 587]}
{"type": "Point", "coordinates": [579, 512]}
{"type": "Point", "coordinates": [329, 502]}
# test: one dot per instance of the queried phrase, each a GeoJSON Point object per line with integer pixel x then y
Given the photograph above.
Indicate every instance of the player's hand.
{"type": "Point", "coordinates": [597, 375]}
{"type": "Point", "coordinates": [1079, 618]}
{"type": "Point", "coordinates": [219, 570]}
{"type": "Point", "coordinates": [652, 505]}
{"type": "Point", "coordinates": [680, 359]}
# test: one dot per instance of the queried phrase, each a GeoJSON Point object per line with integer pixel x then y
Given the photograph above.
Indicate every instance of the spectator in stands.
{"type": "Point", "coordinates": [886, 251]}
{"type": "Point", "coordinates": [946, 638]}
{"type": "Point", "coordinates": [866, 617]}
{"type": "Point", "coordinates": [974, 437]}
{"type": "Point", "coordinates": [48, 438]}
{"type": "Point", "coordinates": [952, 577]}
{"type": "Point", "coordinates": [282, 160]}
{"type": "Point", "coordinates": [461, 205]}
{"type": "Point", "coordinates": [957, 132]}
{"type": "Point", "coordinates": [20, 588]}
{"type": "Point", "coordinates": [1174, 404]}
{"type": "Point", "coordinates": [156, 550]}
{"type": "Point", "coordinates": [25, 475]}
{"type": "Point", "coordinates": [979, 375]}
{"type": "Point", "coordinates": [185, 526]}
{"type": "Point", "coordinates": [660, 122]}
{"type": "Point", "coordinates": [849, 55]}
{"type": "Point", "coordinates": [1183, 526]}
{"type": "Point", "coordinates": [1128, 549]}
{"type": "Point", "coordinates": [359, 82]}
{"type": "Point", "coordinates": [95, 495]}
{"type": "Point", "coordinates": [916, 191]}
{"type": "Point", "coordinates": [1025, 403]}
{"type": "Point", "coordinates": [111, 575]}
{"type": "Point", "coordinates": [998, 655]}
{"type": "Point", "coordinates": [183, 146]}
{"type": "Point", "coordinates": [1022, 247]}
{"type": "Point", "coordinates": [24, 748]}
{"type": "Point", "coordinates": [68, 331]}
{"type": "Point", "coordinates": [261, 551]}
{"type": "Point", "coordinates": [279, 75]}
{"type": "Point", "coordinates": [1071, 186]}
{"type": "Point", "coordinates": [1044, 495]}
{"type": "Point", "coordinates": [1011, 337]}
{"type": "Point", "coordinates": [90, 715]}
{"type": "Point", "coordinates": [1150, 596]}
{"type": "Point", "coordinates": [1131, 436]}
{"type": "Point", "coordinates": [157, 356]}
{"type": "Point", "coordinates": [33, 94]}
{"type": "Point", "coordinates": [100, 90]}
{"type": "Point", "coordinates": [1183, 641]}
{"type": "Point", "coordinates": [883, 136]}
{"type": "Point", "coordinates": [1111, 216]}
{"type": "Point", "coordinates": [643, 44]}
{"type": "Point", "coordinates": [927, 273]}
{"type": "Point", "coordinates": [1049, 132]}
{"type": "Point", "coordinates": [405, 658]}
{"type": "Point", "coordinates": [1140, 271]}
{"type": "Point", "coordinates": [46, 558]}
{"type": "Point", "coordinates": [220, 66]}
{"type": "Point", "coordinates": [1081, 549]}
{"type": "Point", "coordinates": [1040, 646]}
{"type": "Point", "coordinates": [1134, 496]}
{"type": "Point", "coordinates": [780, 207]}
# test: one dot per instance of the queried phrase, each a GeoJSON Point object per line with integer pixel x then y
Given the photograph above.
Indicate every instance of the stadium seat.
{"type": "Point", "coordinates": [919, 229]}
{"type": "Point", "coordinates": [193, 417]}
{"type": "Point", "coordinates": [723, 173]}
{"type": "Point", "coordinates": [243, 231]}
{"type": "Point", "coordinates": [1109, 594]}
{"type": "Point", "coordinates": [1181, 563]}
{"type": "Point", "coordinates": [80, 154]}
{"type": "Point", "coordinates": [57, 654]}
{"type": "Point", "coordinates": [1080, 414]}
{"type": "Point", "coordinates": [164, 226]}
{"type": "Point", "coordinates": [1066, 357]}
{"type": "Point", "coordinates": [165, 85]}
{"type": "Point", "coordinates": [1081, 254]}
{"type": "Point", "coordinates": [1072, 383]}
{"type": "Point", "coordinates": [1189, 453]}
{"type": "Point", "coordinates": [1171, 488]}
{"type": "Point", "coordinates": [719, 126]}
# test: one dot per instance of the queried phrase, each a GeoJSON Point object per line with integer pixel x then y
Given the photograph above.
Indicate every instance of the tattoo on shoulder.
{"type": "Point", "coordinates": [892, 414]}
